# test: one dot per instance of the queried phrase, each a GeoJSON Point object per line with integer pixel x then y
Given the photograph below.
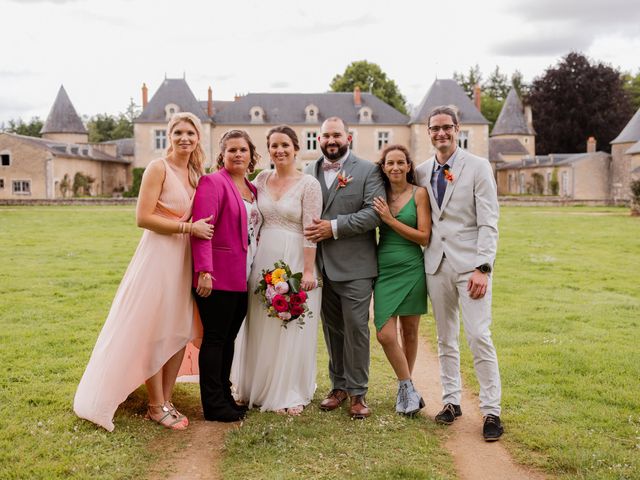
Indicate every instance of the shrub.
{"type": "Point", "coordinates": [135, 187]}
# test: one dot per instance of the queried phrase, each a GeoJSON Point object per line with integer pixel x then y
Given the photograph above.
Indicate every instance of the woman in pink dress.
{"type": "Point", "coordinates": [151, 318]}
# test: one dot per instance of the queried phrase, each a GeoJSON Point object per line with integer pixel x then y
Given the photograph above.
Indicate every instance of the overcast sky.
{"type": "Point", "coordinates": [102, 51]}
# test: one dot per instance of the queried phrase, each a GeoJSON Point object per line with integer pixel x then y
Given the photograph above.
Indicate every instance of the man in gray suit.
{"type": "Point", "coordinates": [346, 256]}
{"type": "Point", "coordinates": [459, 261]}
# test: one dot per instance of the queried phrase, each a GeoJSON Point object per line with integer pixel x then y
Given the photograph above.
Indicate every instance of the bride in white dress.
{"type": "Point", "coordinates": [275, 367]}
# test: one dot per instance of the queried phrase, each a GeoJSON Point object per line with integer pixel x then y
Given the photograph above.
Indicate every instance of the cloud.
{"type": "Point", "coordinates": [16, 73]}
{"type": "Point", "coordinates": [45, 1]}
{"type": "Point", "coordinates": [16, 105]}
{"type": "Point", "coordinates": [279, 84]}
{"type": "Point", "coordinates": [552, 27]}
{"type": "Point", "coordinates": [544, 44]}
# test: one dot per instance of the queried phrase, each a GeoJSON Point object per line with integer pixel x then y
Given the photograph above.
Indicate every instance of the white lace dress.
{"type": "Point", "coordinates": [275, 367]}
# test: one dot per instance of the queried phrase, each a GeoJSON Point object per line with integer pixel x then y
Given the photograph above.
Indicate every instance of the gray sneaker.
{"type": "Point", "coordinates": [414, 401]}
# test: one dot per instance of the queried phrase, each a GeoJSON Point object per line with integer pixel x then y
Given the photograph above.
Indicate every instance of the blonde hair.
{"type": "Point", "coordinates": [197, 158]}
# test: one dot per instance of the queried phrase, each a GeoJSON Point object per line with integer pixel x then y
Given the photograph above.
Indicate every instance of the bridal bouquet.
{"type": "Point", "coordinates": [279, 290]}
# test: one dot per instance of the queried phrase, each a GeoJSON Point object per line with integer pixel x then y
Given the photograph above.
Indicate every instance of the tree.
{"type": "Point", "coordinates": [103, 127]}
{"type": "Point", "coordinates": [575, 100]}
{"type": "Point", "coordinates": [370, 78]}
{"type": "Point", "coordinates": [522, 89]}
{"type": "Point", "coordinates": [469, 82]}
{"type": "Point", "coordinates": [31, 129]}
{"type": "Point", "coordinates": [496, 85]}
{"type": "Point", "coordinates": [632, 87]}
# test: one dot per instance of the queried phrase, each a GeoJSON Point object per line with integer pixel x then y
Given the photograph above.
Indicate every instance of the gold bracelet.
{"type": "Point", "coordinates": [190, 228]}
{"type": "Point", "coordinates": [179, 227]}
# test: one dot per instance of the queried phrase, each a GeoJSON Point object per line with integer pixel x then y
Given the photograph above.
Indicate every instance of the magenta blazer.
{"type": "Point", "coordinates": [225, 255]}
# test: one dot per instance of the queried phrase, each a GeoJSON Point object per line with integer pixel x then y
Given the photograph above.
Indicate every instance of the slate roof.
{"type": "Point", "coordinates": [124, 146]}
{"type": "Point", "coordinates": [68, 150]}
{"type": "Point", "coordinates": [511, 120]}
{"type": "Point", "coordinates": [631, 132]}
{"type": "Point", "coordinates": [289, 108]}
{"type": "Point", "coordinates": [176, 91]}
{"type": "Point", "coordinates": [635, 148]}
{"type": "Point", "coordinates": [505, 146]}
{"type": "Point", "coordinates": [448, 92]}
{"type": "Point", "coordinates": [63, 117]}
{"type": "Point", "coordinates": [551, 160]}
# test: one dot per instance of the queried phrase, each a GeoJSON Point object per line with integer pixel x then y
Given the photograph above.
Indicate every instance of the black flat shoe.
{"type": "Point", "coordinates": [448, 414]}
{"type": "Point", "coordinates": [492, 429]}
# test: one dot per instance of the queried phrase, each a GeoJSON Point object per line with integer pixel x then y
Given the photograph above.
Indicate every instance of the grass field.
{"type": "Point", "coordinates": [566, 325]}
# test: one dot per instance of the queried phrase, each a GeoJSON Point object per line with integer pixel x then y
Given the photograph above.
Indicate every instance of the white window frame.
{"type": "Point", "coordinates": [353, 139]}
{"type": "Point", "coordinates": [311, 140]}
{"type": "Point", "coordinates": [167, 110]}
{"type": "Point", "coordinates": [21, 184]}
{"type": "Point", "coordinates": [564, 176]}
{"type": "Point", "coordinates": [383, 138]}
{"type": "Point", "coordinates": [7, 153]}
{"type": "Point", "coordinates": [160, 137]}
{"type": "Point", "coordinates": [463, 139]}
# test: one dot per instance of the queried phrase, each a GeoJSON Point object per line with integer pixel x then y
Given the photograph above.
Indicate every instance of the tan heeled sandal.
{"type": "Point", "coordinates": [167, 419]}
{"type": "Point", "coordinates": [172, 408]}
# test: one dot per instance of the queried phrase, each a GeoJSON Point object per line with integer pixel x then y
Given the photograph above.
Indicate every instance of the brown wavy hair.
{"type": "Point", "coordinates": [390, 148]}
{"type": "Point", "coordinates": [197, 158]}
{"type": "Point", "coordinates": [255, 156]}
{"type": "Point", "coordinates": [289, 132]}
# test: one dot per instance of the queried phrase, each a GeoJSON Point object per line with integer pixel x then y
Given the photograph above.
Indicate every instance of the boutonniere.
{"type": "Point", "coordinates": [448, 174]}
{"type": "Point", "coordinates": [343, 180]}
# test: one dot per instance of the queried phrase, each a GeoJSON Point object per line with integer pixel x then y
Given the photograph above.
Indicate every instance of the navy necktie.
{"type": "Point", "coordinates": [441, 183]}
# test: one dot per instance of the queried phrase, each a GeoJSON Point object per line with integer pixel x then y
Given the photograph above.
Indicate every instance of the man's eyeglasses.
{"type": "Point", "coordinates": [445, 128]}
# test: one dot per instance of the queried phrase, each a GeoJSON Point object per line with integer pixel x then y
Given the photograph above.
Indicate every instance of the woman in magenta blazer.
{"type": "Point", "coordinates": [221, 267]}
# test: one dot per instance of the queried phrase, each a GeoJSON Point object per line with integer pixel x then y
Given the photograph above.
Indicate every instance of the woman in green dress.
{"type": "Point", "coordinates": [400, 294]}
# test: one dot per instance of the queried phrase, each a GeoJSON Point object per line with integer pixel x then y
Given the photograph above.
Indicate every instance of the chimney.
{"type": "Point", "coordinates": [145, 95]}
{"type": "Point", "coordinates": [236, 97]}
{"type": "Point", "coordinates": [210, 103]}
{"type": "Point", "coordinates": [357, 101]}
{"type": "Point", "coordinates": [591, 145]}
{"type": "Point", "coordinates": [476, 96]}
{"type": "Point", "coordinates": [528, 116]}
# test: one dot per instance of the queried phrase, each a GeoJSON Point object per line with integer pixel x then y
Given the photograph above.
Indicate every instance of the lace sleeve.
{"type": "Point", "coordinates": [311, 205]}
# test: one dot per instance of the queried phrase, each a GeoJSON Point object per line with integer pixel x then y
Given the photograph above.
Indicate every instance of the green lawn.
{"type": "Point", "coordinates": [566, 324]}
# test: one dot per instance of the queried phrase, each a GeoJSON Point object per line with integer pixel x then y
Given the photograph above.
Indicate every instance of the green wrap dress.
{"type": "Point", "coordinates": [401, 287]}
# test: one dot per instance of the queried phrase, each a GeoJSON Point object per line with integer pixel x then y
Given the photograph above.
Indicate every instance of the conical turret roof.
{"type": "Point", "coordinates": [511, 120]}
{"type": "Point", "coordinates": [63, 117]}
{"type": "Point", "coordinates": [630, 133]}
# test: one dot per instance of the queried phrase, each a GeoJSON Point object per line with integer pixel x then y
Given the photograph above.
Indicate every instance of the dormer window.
{"type": "Point", "coordinates": [311, 114]}
{"type": "Point", "coordinates": [170, 109]}
{"type": "Point", "coordinates": [365, 115]}
{"type": "Point", "coordinates": [257, 115]}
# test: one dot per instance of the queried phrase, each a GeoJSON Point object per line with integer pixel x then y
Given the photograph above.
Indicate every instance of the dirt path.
{"type": "Point", "coordinates": [474, 458]}
{"type": "Point", "coordinates": [197, 455]}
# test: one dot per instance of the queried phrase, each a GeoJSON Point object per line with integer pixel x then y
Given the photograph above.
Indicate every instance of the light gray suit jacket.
{"type": "Point", "coordinates": [353, 255]}
{"type": "Point", "coordinates": [465, 227]}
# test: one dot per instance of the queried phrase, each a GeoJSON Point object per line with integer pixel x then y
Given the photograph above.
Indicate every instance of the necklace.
{"type": "Point", "coordinates": [394, 199]}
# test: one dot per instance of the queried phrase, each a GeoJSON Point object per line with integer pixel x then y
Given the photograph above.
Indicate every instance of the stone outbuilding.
{"type": "Point", "coordinates": [49, 167]}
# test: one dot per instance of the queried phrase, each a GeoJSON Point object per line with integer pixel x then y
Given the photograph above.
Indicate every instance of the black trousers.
{"type": "Point", "coordinates": [222, 314]}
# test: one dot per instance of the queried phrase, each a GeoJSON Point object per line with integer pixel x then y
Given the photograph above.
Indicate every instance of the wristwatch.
{"type": "Point", "coordinates": [484, 268]}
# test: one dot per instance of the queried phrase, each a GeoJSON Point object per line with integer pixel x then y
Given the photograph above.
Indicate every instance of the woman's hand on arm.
{"type": "Point", "coordinates": [419, 235]}
{"type": "Point", "coordinates": [382, 208]}
{"type": "Point", "coordinates": [202, 229]}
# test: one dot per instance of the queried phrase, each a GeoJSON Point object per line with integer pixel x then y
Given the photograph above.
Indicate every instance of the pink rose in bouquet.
{"type": "Point", "coordinates": [270, 292]}
{"type": "Point", "coordinates": [296, 310]}
{"type": "Point", "coordinates": [285, 316]}
{"type": "Point", "coordinates": [282, 287]}
{"type": "Point", "coordinates": [297, 298]}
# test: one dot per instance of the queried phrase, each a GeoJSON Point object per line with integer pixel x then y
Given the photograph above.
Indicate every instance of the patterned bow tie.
{"type": "Point", "coordinates": [327, 166]}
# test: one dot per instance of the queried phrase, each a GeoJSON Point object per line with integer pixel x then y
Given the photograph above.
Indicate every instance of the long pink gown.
{"type": "Point", "coordinates": [151, 317]}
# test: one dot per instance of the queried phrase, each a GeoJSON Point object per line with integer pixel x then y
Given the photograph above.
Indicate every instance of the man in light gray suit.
{"type": "Point", "coordinates": [346, 256]}
{"type": "Point", "coordinates": [459, 261]}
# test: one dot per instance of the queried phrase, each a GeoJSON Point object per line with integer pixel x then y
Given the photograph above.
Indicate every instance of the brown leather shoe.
{"type": "Point", "coordinates": [333, 400]}
{"type": "Point", "coordinates": [359, 408]}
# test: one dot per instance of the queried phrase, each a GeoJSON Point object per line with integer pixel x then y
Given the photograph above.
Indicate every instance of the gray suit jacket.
{"type": "Point", "coordinates": [353, 255]}
{"type": "Point", "coordinates": [465, 227]}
